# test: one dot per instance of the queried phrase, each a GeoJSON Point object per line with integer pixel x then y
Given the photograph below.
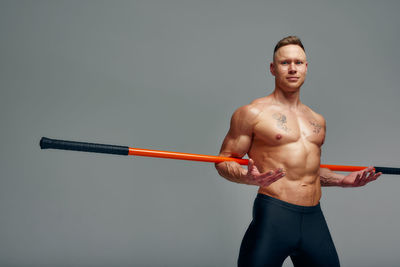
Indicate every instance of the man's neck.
{"type": "Point", "coordinates": [288, 99]}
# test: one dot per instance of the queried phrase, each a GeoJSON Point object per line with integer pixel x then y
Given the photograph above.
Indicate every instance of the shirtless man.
{"type": "Point", "coordinates": [283, 139]}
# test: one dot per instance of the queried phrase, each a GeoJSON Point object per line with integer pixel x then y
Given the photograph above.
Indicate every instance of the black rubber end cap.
{"type": "Point", "coordinates": [44, 142]}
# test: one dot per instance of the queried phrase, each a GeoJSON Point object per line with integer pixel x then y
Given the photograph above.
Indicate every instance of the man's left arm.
{"type": "Point", "coordinates": [353, 179]}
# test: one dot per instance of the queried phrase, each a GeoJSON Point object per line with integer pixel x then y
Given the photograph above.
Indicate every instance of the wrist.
{"type": "Point", "coordinates": [339, 179]}
{"type": "Point", "coordinates": [329, 178]}
{"type": "Point", "coordinates": [232, 171]}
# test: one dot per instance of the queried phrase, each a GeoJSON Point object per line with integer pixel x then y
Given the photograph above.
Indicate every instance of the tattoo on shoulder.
{"type": "Point", "coordinates": [281, 121]}
{"type": "Point", "coordinates": [316, 126]}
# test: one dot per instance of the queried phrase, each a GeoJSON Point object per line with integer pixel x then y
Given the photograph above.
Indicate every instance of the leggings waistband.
{"type": "Point", "coordinates": [294, 207]}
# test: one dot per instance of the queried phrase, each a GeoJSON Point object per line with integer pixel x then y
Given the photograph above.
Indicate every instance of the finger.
{"type": "Point", "coordinates": [368, 169]}
{"type": "Point", "coordinates": [271, 173]}
{"type": "Point", "coordinates": [357, 180]}
{"type": "Point", "coordinates": [367, 181]}
{"type": "Point", "coordinates": [374, 176]}
{"type": "Point", "coordinates": [363, 176]}
{"type": "Point", "coordinates": [265, 177]}
{"type": "Point", "coordinates": [251, 164]}
{"type": "Point", "coordinates": [270, 180]}
{"type": "Point", "coordinates": [361, 180]}
{"type": "Point", "coordinates": [370, 177]}
{"type": "Point", "coordinates": [252, 169]}
{"type": "Point", "coordinates": [277, 176]}
{"type": "Point", "coordinates": [278, 171]}
{"type": "Point", "coordinates": [371, 174]}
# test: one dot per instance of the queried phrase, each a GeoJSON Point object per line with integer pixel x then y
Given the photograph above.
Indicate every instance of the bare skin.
{"type": "Point", "coordinates": [283, 139]}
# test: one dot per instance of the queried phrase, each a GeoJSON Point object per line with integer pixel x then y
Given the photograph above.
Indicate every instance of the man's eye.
{"type": "Point", "coordinates": [299, 62]}
{"type": "Point", "coordinates": [284, 62]}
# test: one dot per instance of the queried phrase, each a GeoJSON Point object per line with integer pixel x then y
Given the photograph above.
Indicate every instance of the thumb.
{"type": "Point", "coordinates": [250, 164]}
{"type": "Point", "coordinates": [252, 168]}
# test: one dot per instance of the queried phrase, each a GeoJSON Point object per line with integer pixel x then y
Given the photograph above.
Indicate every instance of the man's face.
{"type": "Point", "coordinates": [289, 67]}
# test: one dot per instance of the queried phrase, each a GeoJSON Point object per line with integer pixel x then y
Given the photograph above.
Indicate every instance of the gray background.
{"type": "Point", "coordinates": [168, 75]}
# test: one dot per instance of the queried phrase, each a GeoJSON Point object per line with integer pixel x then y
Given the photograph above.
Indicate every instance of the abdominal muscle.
{"type": "Point", "coordinates": [300, 161]}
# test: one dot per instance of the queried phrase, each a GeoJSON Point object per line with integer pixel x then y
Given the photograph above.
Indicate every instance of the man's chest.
{"type": "Point", "coordinates": [282, 127]}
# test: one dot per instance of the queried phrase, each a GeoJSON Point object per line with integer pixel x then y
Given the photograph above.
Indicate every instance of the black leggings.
{"type": "Point", "coordinates": [280, 229]}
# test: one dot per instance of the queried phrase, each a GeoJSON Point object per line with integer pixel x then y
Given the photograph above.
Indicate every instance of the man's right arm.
{"type": "Point", "coordinates": [236, 144]}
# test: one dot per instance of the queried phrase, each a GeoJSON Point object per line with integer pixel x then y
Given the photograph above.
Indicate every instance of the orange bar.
{"type": "Point", "coordinates": [217, 159]}
{"type": "Point", "coordinates": [342, 168]}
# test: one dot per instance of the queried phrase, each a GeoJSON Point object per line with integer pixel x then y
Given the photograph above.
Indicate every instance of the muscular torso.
{"type": "Point", "coordinates": [292, 140]}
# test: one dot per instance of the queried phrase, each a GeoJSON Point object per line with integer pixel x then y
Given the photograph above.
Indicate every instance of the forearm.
{"type": "Point", "coordinates": [231, 171]}
{"type": "Point", "coordinates": [330, 178]}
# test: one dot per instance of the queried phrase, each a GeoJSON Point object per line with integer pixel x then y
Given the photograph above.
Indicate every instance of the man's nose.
{"type": "Point", "coordinates": [292, 68]}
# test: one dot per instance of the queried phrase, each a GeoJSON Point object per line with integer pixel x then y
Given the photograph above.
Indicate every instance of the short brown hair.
{"type": "Point", "coordinates": [288, 41]}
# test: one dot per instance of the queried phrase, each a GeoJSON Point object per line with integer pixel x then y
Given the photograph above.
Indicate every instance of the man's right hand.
{"type": "Point", "coordinates": [254, 177]}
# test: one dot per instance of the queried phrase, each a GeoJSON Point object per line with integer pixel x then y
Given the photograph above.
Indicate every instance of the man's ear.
{"type": "Point", "coordinates": [272, 68]}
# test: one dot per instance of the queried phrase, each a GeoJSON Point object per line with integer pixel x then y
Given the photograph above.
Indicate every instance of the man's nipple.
{"type": "Point", "coordinates": [278, 136]}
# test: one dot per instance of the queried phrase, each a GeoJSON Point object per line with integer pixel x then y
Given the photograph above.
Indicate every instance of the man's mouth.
{"type": "Point", "coordinates": [292, 79]}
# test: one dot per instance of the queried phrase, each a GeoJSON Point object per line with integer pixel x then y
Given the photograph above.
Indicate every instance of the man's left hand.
{"type": "Point", "coordinates": [360, 178]}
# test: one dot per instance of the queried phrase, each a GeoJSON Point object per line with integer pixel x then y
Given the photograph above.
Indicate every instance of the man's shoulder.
{"type": "Point", "coordinates": [248, 112]}
{"type": "Point", "coordinates": [252, 110]}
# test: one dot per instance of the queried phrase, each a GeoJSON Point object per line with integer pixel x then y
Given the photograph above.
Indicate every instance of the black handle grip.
{"type": "Point", "coordinates": [46, 143]}
{"type": "Point", "coordinates": [387, 170]}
